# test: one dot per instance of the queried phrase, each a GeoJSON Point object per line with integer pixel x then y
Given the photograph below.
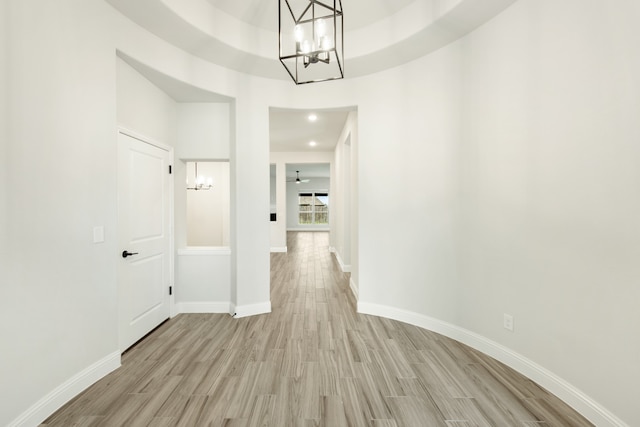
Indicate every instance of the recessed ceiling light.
{"type": "Point", "coordinates": [313, 143]}
{"type": "Point", "coordinates": [313, 117]}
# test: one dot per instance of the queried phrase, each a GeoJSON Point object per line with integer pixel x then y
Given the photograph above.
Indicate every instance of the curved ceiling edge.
{"type": "Point", "coordinates": [221, 26]}
{"type": "Point", "coordinates": [196, 27]}
{"type": "Point", "coordinates": [177, 89]}
{"type": "Point", "coordinates": [458, 21]}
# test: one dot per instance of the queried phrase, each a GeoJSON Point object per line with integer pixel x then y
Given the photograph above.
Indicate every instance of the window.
{"type": "Point", "coordinates": [313, 208]}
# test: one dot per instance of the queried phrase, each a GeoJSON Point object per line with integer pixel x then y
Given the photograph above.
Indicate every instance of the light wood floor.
{"type": "Point", "coordinates": [312, 362]}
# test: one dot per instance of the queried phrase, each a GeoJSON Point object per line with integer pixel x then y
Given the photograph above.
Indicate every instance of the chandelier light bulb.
{"type": "Point", "coordinates": [310, 41]}
{"type": "Point", "coordinates": [306, 47]}
{"type": "Point", "coordinates": [298, 33]}
{"type": "Point", "coordinates": [325, 43]}
{"type": "Point", "coordinates": [199, 181]}
{"type": "Point", "coordinates": [321, 28]}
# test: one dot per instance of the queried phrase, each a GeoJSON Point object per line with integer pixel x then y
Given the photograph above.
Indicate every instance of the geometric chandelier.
{"type": "Point", "coordinates": [311, 41]}
{"type": "Point", "coordinates": [200, 182]}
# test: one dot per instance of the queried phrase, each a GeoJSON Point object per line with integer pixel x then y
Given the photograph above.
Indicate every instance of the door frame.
{"type": "Point", "coordinates": [147, 140]}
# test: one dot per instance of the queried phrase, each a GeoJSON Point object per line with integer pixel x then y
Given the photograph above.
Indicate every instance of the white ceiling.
{"type": "Point", "coordinates": [291, 130]}
{"type": "Point", "coordinates": [242, 35]}
{"type": "Point", "coordinates": [264, 13]}
{"type": "Point", "coordinates": [307, 170]}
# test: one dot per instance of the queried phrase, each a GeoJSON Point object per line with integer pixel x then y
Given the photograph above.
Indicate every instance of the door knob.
{"type": "Point", "coordinates": [126, 253]}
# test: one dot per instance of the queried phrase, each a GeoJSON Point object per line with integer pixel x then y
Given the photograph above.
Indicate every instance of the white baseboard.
{"type": "Point", "coordinates": [224, 307]}
{"type": "Point", "coordinates": [279, 249]}
{"type": "Point", "coordinates": [354, 288]}
{"type": "Point", "coordinates": [62, 394]}
{"type": "Point", "coordinates": [346, 268]}
{"type": "Point", "coordinates": [250, 309]}
{"type": "Point", "coordinates": [568, 393]}
{"type": "Point", "coordinates": [204, 307]}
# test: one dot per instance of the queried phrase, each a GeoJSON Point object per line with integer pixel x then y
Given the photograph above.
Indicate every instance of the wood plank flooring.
{"type": "Point", "coordinates": [312, 362]}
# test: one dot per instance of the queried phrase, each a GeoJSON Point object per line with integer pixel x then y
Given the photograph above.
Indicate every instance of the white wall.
{"type": "Point", "coordinates": [407, 185]}
{"type": "Point", "coordinates": [504, 163]}
{"type": "Point", "coordinates": [58, 311]}
{"type": "Point", "coordinates": [203, 280]}
{"type": "Point", "coordinates": [143, 108]}
{"type": "Point", "coordinates": [203, 131]}
{"type": "Point", "coordinates": [548, 171]}
{"type": "Point", "coordinates": [273, 195]}
{"type": "Point", "coordinates": [510, 186]}
{"type": "Point", "coordinates": [4, 131]}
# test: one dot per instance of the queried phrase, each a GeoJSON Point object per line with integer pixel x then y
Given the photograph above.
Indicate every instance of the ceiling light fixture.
{"type": "Point", "coordinates": [311, 41]}
{"type": "Point", "coordinates": [200, 183]}
{"type": "Point", "coordinates": [313, 143]}
{"type": "Point", "coordinates": [312, 117]}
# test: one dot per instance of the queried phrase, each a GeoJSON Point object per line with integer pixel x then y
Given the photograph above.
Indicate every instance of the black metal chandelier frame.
{"type": "Point", "coordinates": [317, 55]}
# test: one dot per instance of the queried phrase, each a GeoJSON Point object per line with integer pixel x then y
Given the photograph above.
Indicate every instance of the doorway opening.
{"type": "Point", "coordinates": [208, 203]}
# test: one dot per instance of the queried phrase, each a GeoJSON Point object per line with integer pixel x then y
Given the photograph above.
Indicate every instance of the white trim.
{"type": "Point", "coordinates": [145, 139]}
{"type": "Point", "coordinates": [568, 393]}
{"type": "Point", "coordinates": [251, 309]}
{"type": "Point", "coordinates": [354, 288]}
{"type": "Point", "coordinates": [309, 229]}
{"type": "Point", "coordinates": [205, 250]}
{"type": "Point", "coordinates": [214, 307]}
{"type": "Point", "coordinates": [282, 249]}
{"type": "Point", "coordinates": [332, 249]}
{"type": "Point", "coordinates": [174, 310]}
{"type": "Point", "coordinates": [346, 268]}
{"type": "Point", "coordinates": [62, 394]}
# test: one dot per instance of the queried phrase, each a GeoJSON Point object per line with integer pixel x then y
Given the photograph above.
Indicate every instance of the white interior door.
{"type": "Point", "coordinates": [144, 205]}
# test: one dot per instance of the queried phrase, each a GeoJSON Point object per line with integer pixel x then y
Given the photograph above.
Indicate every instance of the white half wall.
{"type": "Point", "coordinates": [203, 280]}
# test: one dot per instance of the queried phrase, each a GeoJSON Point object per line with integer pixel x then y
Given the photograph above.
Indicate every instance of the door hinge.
{"type": "Point", "coordinates": [169, 169]}
{"type": "Point", "coordinates": [170, 290]}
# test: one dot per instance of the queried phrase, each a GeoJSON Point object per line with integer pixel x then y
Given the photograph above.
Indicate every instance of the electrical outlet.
{"type": "Point", "coordinates": [508, 322]}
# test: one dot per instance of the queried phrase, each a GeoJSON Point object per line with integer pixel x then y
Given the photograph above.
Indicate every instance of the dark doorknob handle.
{"type": "Point", "coordinates": [126, 254]}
